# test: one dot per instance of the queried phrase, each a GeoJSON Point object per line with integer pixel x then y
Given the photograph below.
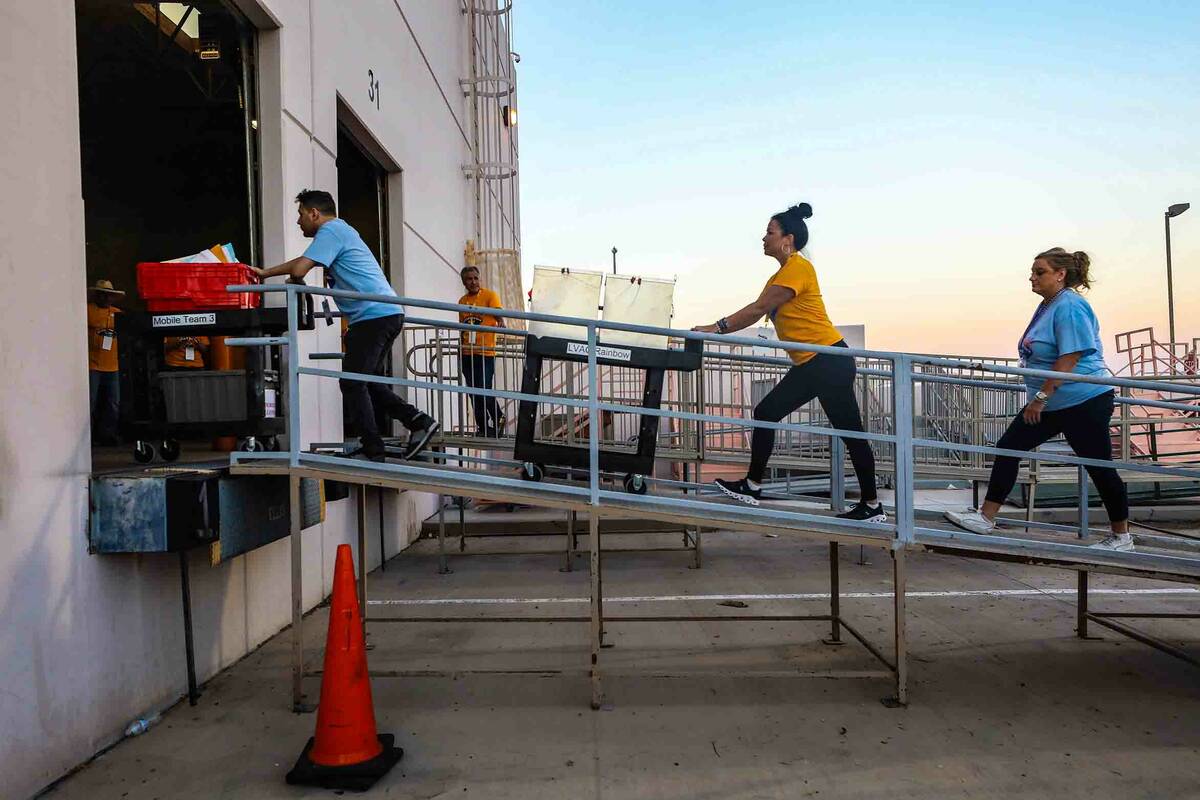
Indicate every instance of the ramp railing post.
{"type": "Point", "coordinates": [293, 377]}
{"type": "Point", "coordinates": [902, 402]}
{"type": "Point", "coordinates": [593, 418]}
{"type": "Point", "coordinates": [837, 475]}
{"type": "Point", "coordinates": [1083, 502]}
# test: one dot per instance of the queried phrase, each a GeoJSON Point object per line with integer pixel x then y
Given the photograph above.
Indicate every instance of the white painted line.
{"type": "Point", "coordinates": [497, 601]}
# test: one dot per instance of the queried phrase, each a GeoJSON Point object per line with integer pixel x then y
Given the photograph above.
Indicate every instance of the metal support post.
{"type": "Point", "coordinates": [442, 568]}
{"type": "Point", "coordinates": [899, 582]}
{"type": "Point", "coordinates": [362, 551]}
{"type": "Point", "coordinates": [1081, 589]}
{"type": "Point", "coordinates": [693, 533]}
{"type": "Point", "coordinates": [189, 643]}
{"type": "Point", "coordinates": [835, 599]}
{"type": "Point", "coordinates": [568, 566]}
{"type": "Point", "coordinates": [298, 704]}
{"type": "Point", "coordinates": [382, 549]}
{"type": "Point", "coordinates": [462, 522]}
{"type": "Point", "coordinates": [597, 627]}
{"type": "Point", "coordinates": [1081, 605]}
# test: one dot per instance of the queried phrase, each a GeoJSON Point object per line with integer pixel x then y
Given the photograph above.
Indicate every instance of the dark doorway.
{"type": "Point", "coordinates": [169, 155]}
{"type": "Point", "coordinates": [168, 133]}
{"type": "Point", "coordinates": [362, 196]}
{"type": "Point", "coordinates": [362, 203]}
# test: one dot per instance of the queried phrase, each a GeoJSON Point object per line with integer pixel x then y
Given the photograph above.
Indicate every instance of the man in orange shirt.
{"type": "Point", "coordinates": [103, 385]}
{"type": "Point", "coordinates": [185, 352]}
{"type": "Point", "coordinates": [477, 355]}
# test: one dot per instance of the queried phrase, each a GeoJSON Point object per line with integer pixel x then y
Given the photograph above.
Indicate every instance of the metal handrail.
{"type": "Point", "coordinates": [903, 374]}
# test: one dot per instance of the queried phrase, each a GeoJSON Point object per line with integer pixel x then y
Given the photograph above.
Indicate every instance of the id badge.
{"type": "Point", "coordinates": [106, 340]}
{"type": "Point", "coordinates": [189, 353]}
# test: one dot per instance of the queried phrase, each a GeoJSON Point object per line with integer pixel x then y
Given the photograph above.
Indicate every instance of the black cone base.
{"type": "Point", "coordinates": [353, 777]}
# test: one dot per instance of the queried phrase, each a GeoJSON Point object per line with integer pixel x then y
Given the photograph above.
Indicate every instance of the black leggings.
{"type": "Point", "coordinates": [830, 379]}
{"type": "Point", "coordinates": [1085, 427]}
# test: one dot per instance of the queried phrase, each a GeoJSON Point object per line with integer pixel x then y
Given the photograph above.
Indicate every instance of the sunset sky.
{"type": "Point", "coordinates": [941, 149]}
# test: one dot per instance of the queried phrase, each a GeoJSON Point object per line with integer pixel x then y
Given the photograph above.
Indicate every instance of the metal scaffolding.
{"type": "Point", "coordinates": [491, 91]}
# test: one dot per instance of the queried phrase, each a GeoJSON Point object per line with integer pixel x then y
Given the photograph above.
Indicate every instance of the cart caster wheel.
{"type": "Point", "coordinates": [143, 452]}
{"type": "Point", "coordinates": [635, 484]}
{"type": "Point", "coordinates": [168, 449]}
{"type": "Point", "coordinates": [251, 445]}
{"type": "Point", "coordinates": [272, 443]}
{"type": "Point", "coordinates": [532, 472]}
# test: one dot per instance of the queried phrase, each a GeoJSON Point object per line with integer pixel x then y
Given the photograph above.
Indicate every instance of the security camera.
{"type": "Point", "coordinates": [516, 57]}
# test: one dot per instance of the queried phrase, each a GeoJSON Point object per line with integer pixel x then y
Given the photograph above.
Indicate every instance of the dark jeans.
{"type": "Point", "coordinates": [479, 371]}
{"type": "Point", "coordinates": [104, 389]}
{"type": "Point", "coordinates": [367, 346]}
{"type": "Point", "coordinates": [829, 379]}
{"type": "Point", "coordinates": [1085, 427]}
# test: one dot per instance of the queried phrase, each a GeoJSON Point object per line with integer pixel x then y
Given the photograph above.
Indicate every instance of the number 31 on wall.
{"type": "Point", "coordinates": [372, 87]}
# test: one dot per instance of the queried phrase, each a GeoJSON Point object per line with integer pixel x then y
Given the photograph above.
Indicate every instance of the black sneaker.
{"type": "Point", "coordinates": [739, 490]}
{"type": "Point", "coordinates": [418, 440]}
{"type": "Point", "coordinates": [364, 453]}
{"type": "Point", "coordinates": [865, 513]}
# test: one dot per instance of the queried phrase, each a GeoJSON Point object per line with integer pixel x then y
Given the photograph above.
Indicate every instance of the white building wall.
{"type": "Point", "coordinates": [89, 642]}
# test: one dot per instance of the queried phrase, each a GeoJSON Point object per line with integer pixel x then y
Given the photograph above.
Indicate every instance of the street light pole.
{"type": "Point", "coordinates": [615, 260]}
{"type": "Point", "coordinates": [1172, 211]}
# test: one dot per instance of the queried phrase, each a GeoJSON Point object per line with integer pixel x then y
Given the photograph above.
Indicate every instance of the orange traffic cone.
{"type": "Point", "coordinates": [347, 752]}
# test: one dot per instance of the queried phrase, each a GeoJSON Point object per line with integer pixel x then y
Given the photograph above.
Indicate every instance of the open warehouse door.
{"type": "Point", "coordinates": [168, 132]}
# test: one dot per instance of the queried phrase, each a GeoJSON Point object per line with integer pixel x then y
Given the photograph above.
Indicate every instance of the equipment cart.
{"type": "Point", "coordinates": [160, 406]}
{"type": "Point", "coordinates": [537, 455]}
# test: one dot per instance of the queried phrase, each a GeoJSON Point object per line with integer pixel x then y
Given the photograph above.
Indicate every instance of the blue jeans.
{"type": "Point", "coordinates": [105, 391]}
{"type": "Point", "coordinates": [479, 371]}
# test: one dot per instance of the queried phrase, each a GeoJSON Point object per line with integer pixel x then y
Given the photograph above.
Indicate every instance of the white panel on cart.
{"type": "Point", "coordinates": [565, 293]}
{"type": "Point", "coordinates": [637, 301]}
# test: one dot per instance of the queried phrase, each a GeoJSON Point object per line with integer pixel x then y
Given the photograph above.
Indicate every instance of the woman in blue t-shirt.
{"type": "Point", "coordinates": [1063, 336]}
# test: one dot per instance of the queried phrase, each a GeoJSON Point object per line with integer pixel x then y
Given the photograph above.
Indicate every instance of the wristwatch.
{"type": "Point", "coordinates": [1041, 396]}
{"type": "Point", "coordinates": [723, 325]}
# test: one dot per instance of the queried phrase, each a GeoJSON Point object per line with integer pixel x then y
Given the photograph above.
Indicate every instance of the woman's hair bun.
{"type": "Point", "coordinates": [803, 209]}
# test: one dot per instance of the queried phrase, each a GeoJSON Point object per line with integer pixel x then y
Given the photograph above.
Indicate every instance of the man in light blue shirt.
{"type": "Point", "coordinates": [373, 324]}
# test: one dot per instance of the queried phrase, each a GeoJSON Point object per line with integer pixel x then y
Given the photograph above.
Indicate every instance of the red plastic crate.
{"type": "Point", "coordinates": [195, 287]}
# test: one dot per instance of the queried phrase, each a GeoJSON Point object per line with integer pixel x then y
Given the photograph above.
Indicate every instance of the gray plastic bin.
{"type": "Point", "coordinates": [204, 395]}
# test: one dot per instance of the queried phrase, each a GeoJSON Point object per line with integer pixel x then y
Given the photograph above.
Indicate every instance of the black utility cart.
{"type": "Point", "coordinates": [537, 455]}
{"type": "Point", "coordinates": [160, 406]}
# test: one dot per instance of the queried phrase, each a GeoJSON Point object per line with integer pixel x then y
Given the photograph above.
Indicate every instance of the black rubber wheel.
{"type": "Point", "coordinates": [532, 472]}
{"type": "Point", "coordinates": [168, 449]}
{"type": "Point", "coordinates": [635, 484]}
{"type": "Point", "coordinates": [251, 445]}
{"type": "Point", "coordinates": [143, 452]}
{"type": "Point", "coordinates": [272, 442]}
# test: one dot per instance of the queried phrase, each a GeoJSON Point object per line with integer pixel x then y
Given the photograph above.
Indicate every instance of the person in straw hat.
{"type": "Point", "coordinates": [103, 385]}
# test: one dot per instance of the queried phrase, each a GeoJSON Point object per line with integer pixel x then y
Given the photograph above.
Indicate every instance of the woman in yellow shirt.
{"type": "Point", "coordinates": [792, 299]}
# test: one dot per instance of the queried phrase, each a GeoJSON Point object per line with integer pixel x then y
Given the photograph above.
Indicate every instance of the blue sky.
{"type": "Point", "coordinates": [941, 145]}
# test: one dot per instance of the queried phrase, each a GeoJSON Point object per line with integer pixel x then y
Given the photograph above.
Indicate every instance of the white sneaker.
{"type": "Point", "coordinates": [971, 521]}
{"type": "Point", "coordinates": [1121, 542]}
